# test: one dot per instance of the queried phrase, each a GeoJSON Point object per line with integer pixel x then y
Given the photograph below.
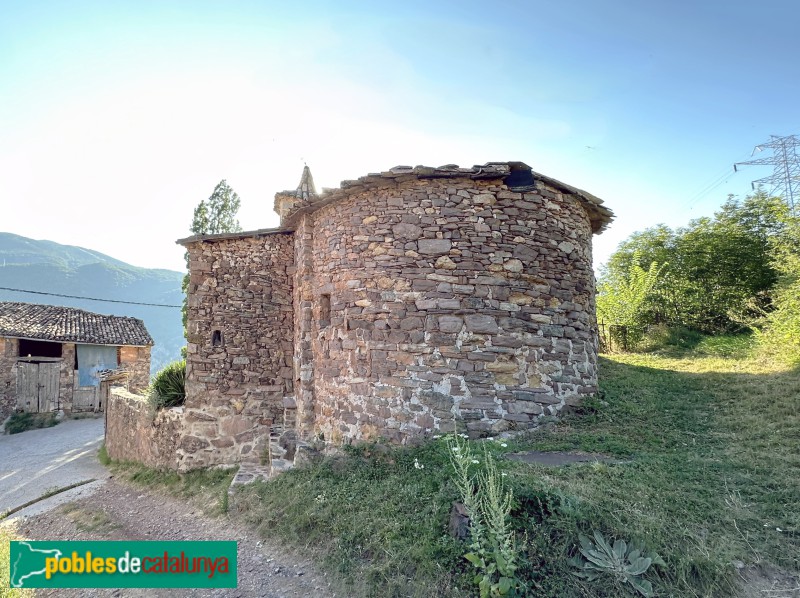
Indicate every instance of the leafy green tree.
{"type": "Point", "coordinates": [217, 214]}
{"type": "Point", "coordinates": [718, 271]}
{"type": "Point", "coordinates": [782, 330]}
{"type": "Point", "coordinates": [212, 216]}
{"type": "Point", "coordinates": [654, 245]}
{"type": "Point", "coordinates": [725, 263]}
{"type": "Point", "coordinates": [621, 299]}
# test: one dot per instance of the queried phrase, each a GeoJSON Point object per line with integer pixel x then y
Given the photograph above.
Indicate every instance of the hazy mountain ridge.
{"type": "Point", "coordinates": [47, 266]}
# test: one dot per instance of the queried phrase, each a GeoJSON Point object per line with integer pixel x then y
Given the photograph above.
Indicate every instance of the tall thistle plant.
{"type": "Point", "coordinates": [488, 503]}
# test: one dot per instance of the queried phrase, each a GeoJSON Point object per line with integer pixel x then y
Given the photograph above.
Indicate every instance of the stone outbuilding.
{"type": "Point", "coordinates": [392, 307]}
{"type": "Point", "coordinates": [56, 358]}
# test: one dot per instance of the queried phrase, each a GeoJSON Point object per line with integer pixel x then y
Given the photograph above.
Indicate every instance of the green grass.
{"type": "Point", "coordinates": [24, 421]}
{"type": "Point", "coordinates": [373, 519]}
{"type": "Point", "coordinates": [207, 488]}
{"type": "Point", "coordinates": [8, 533]}
{"type": "Point", "coordinates": [711, 471]}
{"type": "Point", "coordinates": [102, 455]}
{"type": "Point", "coordinates": [86, 415]}
{"type": "Point", "coordinates": [89, 518]}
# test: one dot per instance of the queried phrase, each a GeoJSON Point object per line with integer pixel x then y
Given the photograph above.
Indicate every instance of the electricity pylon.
{"type": "Point", "coordinates": [785, 177]}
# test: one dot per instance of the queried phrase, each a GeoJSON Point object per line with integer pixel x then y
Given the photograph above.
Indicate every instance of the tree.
{"type": "Point", "coordinates": [718, 272]}
{"type": "Point", "coordinates": [782, 331]}
{"type": "Point", "coordinates": [217, 214]}
{"type": "Point", "coordinates": [621, 298]}
{"type": "Point", "coordinates": [726, 263]}
{"type": "Point", "coordinates": [212, 216]}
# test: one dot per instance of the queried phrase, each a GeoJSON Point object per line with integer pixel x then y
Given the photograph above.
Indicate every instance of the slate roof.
{"type": "Point", "coordinates": [70, 325]}
{"type": "Point", "coordinates": [518, 176]}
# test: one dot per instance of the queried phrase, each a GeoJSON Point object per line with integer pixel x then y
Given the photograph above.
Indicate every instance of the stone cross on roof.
{"type": "Point", "coordinates": [286, 201]}
{"type": "Point", "coordinates": [306, 189]}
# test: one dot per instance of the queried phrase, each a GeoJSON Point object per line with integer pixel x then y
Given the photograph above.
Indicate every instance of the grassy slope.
{"type": "Point", "coordinates": [7, 534]}
{"type": "Point", "coordinates": [205, 488]}
{"type": "Point", "coordinates": [714, 470]}
{"type": "Point", "coordinates": [711, 471]}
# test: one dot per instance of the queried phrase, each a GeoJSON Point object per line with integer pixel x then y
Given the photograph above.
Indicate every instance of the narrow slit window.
{"type": "Point", "coordinates": [324, 311]}
{"type": "Point", "coordinates": [216, 338]}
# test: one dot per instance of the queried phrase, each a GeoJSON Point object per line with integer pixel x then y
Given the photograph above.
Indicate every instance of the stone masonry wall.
{"type": "Point", "coordinates": [9, 354]}
{"type": "Point", "coordinates": [9, 351]}
{"type": "Point", "coordinates": [239, 353]}
{"type": "Point", "coordinates": [137, 361]}
{"type": "Point", "coordinates": [449, 299]}
{"type": "Point", "coordinates": [66, 379]}
{"type": "Point", "coordinates": [135, 433]}
{"type": "Point", "coordinates": [304, 327]}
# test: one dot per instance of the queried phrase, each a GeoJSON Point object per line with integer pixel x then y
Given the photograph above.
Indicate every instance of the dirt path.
{"type": "Point", "coordinates": [117, 511]}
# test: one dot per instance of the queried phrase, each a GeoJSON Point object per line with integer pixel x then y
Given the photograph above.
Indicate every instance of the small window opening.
{"type": "Point", "coordinates": [324, 311]}
{"type": "Point", "coordinates": [39, 348]}
{"type": "Point", "coordinates": [216, 338]}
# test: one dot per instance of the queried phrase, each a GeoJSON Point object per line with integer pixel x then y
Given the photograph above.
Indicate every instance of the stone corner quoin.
{"type": "Point", "coordinates": [391, 308]}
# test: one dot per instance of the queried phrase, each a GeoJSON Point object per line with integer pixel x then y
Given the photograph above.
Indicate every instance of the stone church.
{"type": "Point", "coordinates": [393, 307]}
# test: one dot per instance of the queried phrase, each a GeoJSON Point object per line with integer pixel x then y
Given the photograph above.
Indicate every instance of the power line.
{"type": "Point", "coordinates": [723, 177]}
{"type": "Point", "coordinates": [88, 298]}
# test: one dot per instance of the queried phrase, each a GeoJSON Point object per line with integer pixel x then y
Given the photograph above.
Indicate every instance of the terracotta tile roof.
{"type": "Point", "coordinates": [67, 324]}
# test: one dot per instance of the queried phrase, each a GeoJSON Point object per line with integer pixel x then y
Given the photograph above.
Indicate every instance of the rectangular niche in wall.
{"type": "Point", "coordinates": [216, 338]}
{"type": "Point", "coordinates": [324, 311]}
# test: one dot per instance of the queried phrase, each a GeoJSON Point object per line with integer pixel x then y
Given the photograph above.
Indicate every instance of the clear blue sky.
{"type": "Point", "coordinates": [117, 118]}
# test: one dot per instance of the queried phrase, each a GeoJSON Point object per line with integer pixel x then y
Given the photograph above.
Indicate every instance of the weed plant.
{"type": "Point", "coordinates": [23, 421]}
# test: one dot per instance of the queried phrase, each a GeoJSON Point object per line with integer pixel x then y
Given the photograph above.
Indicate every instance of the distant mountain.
{"type": "Point", "coordinates": [50, 267]}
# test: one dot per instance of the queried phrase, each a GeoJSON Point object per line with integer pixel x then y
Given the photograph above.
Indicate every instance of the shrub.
{"type": "Point", "coordinates": [781, 337]}
{"type": "Point", "coordinates": [168, 388]}
{"type": "Point", "coordinates": [22, 421]}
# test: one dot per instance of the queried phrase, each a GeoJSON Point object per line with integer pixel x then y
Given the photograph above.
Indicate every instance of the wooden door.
{"type": "Point", "coordinates": [48, 386]}
{"type": "Point", "coordinates": [28, 386]}
{"type": "Point", "coordinates": [37, 386]}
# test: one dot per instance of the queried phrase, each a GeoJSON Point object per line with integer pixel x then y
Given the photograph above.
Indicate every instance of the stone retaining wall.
{"type": "Point", "coordinates": [135, 433]}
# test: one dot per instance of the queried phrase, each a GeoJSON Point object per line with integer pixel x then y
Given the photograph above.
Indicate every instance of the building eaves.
{"type": "Point", "coordinates": [518, 176]}
{"type": "Point", "coordinates": [68, 324]}
{"type": "Point", "coordinates": [262, 232]}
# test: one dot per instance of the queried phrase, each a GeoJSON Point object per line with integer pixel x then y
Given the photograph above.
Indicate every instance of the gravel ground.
{"type": "Point", "coordinates": [117, 511]}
